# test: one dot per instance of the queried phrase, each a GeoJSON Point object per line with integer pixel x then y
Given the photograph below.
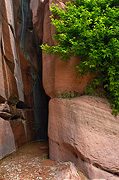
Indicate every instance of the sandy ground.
{"type": "Point", "coordinates": [30, 162]}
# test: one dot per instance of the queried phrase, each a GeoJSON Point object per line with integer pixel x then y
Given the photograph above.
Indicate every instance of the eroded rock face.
{"type": "Point", "coordinates": [20, 72]}
{"type": "Point", "coordinates": [81, 130]}
{"type": "Point", "coordinates": [68, 172]}
{"type": "Point", "coordinates": [59, 75]}
{"type": "Point", "coordinates": [15, 74]}
{"type": "Point", "coordinates": [38, 8]}
{"type": "Point", "coordinates": [84, 131]}
{"type": "Point", "coordinates": [7, 143]}
{"type": "Point", "coordinates": [21, 69]}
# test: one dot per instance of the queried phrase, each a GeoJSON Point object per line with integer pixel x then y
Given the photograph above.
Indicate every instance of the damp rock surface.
{"type": "Point", "coordinates": [31, 162]}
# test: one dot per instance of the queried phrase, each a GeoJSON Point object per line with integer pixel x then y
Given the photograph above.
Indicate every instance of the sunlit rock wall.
{"type": "Point", "coordinates": [85, 133]}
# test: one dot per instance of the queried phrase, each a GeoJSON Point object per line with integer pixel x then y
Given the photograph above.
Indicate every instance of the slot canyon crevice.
{"type": "Point", "coordinates": [80, 129]}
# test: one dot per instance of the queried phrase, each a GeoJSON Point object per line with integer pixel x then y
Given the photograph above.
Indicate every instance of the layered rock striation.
{"type": "Point", "coordinates": [84, 131]}
{"type": "Point", "coordinates": [23, 103]}
{"type": "Point", "coordinates": [81, 130]}
{"type": "Point", "coordinates": [15, 76]}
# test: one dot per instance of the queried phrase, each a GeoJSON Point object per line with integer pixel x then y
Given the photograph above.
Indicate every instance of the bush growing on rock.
{"type": "Point", "coordinates": [89, 29]}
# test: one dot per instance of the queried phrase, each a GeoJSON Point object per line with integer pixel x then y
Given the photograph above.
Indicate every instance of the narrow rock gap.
{"type": "Point", "coordinates": [39, 97]}
{"type": "Point", "coordinates": [80, 156]}
{"type": "Point", "coordinates": [113, 173]}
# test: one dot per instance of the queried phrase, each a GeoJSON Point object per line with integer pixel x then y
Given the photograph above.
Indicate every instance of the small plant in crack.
{"type": "Point", "coordinates": [66, 94]}
{"type": "Point", "coordinates": [92, 89]}
{"type": "Point", "coordinates": [45, 157]}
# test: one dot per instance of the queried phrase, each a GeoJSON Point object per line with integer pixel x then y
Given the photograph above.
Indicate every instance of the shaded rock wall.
{"type": "Point", "coordinates": [15, 77]}
{"type": "Point", "coordinates": [23, 102]}
{"type": "Point", "coordinates": [40, 99]}
{"type": "Point", "coordinates": [7, 144]}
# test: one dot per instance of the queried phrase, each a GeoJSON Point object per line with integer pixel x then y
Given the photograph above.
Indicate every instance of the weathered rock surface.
{"type": "Point", "coordinates": [18, 128]}
{"type": "Point", "coordinates": [5, 115]}
{"type": "Point", "coordinates": [4, 107]}
{"type": "Point", "coordinates": [21, 69]}
{"type": "Point", "coordinates": [38, 7]}
{"type": "Point", "coordinates": [15, 72]}
{"type": "Point", "coordinates": [59, 75]}
{"type": "Point", "coordinates": [84, 131]}
{"type": "Point", "coordinates": [5, 111]}
{"type": "Point", "coordinates": [81, 130]}
{"type": "Point", "coordinates": [7, 144]}
{"type": "Point", "coordinates": [69, 172]}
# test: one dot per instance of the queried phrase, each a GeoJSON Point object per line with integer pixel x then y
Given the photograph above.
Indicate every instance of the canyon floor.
{"type": "Point", "coordinates": [31, 162]}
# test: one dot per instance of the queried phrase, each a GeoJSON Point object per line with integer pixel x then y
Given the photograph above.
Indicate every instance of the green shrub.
{"type": "Point", "coordinates": [89, 29]}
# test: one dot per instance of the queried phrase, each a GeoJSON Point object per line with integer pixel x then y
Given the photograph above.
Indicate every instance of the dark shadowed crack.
{"type": "Point", "coordinates": [9, 63]}
{"type": "Point", "coordinates": [5, 115]}
{"type": "Point", "coordinates": [78, 155]}
{"type": "Point", "coordinates": [11, 28]}
{"type": "Point", "coordinates": [106, 170]}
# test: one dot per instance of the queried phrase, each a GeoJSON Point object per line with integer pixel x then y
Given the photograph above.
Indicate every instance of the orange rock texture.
{"type": "Point", "coordinates": [7, 144]}
{"type": "Point", "coordinates": [84, 131]}
{"type": "Point", "coordinates": [59, 75]}
{"type": "Point", "coordinates": [81, 130]}
{"type": "Point", "coordinates": [15, 75]}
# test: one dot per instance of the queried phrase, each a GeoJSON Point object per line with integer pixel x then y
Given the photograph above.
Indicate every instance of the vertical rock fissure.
{"type": "Point", "coordinates": [17, 70]}
{"type": "Point", "coordinates": [39, 97]}
{"type": "Point", "coordinates": [25, 18]}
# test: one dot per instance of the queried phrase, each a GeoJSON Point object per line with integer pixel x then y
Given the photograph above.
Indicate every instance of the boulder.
{"type": "Point", "coordinates": [7, 143]}
{"type": "Point", "coordinates": [84, 131]}
{"type": "Point", "coordinates": [67, 172]}
{"type": "Point", "coordinates": [4, 107]}
{"type": "Point", "coordinates": [59, 75]}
